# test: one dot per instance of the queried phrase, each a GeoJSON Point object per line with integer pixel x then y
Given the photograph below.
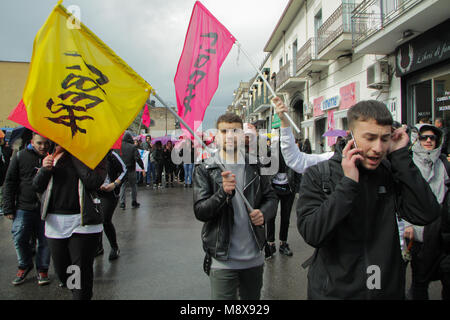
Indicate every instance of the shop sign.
{"type": "Point", "coordinates": [331, 103]}
{"type": "Point", "coordinates": [331, 126]}
{"type": "Point", "coordinates": [427, 49]}
{"type": "Point", "coordinates": [317, 106]}
{"type": "Point", "coordinates": [348, 96]}
{"type": "Point", "coordinates": [276, 121]}
{"type": "Point", "coordinates": [443, 102]}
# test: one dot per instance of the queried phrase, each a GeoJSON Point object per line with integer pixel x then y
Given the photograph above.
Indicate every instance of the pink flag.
{"type": "Point", "coordinates": [19, 115]}
{"type": "Point", "coordinates": [118, 144]}
{"type": "Point", "coordinates": [206, 46]}
{"type": "Point", "coordinates": [146, 117]}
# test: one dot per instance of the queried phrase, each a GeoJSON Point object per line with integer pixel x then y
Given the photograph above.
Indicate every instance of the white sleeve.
{"type": "Point", "coordinates": [294, 158]}
{"type": "Point", "coordinates": [124, 167]}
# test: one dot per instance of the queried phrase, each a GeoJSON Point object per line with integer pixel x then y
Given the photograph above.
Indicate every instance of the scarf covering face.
{"type": "Point", "coordinates": [428, 162]}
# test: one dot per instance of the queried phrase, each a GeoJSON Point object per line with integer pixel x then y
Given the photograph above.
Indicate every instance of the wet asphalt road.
{"type": "Point", "coordinates": [161, 257]}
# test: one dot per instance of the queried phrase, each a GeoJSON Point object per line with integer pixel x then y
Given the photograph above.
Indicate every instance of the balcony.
{"type": "Point", "coordinates": [378, 25]}
{"type": "Point", "coordinates": [286, 80]}
{"type": "Point", "coordinates": [307, 59]}
{"type": "Point", "coordinates": [261, 104]}
{"type": "Point", "coordinates": [335, 34]}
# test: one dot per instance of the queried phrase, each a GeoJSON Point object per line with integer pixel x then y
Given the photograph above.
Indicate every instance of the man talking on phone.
{"type": "Point", "coordinates": [348, 210]}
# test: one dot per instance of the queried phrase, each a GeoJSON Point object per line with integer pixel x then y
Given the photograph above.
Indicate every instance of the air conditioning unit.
{"type": "Point", "coordinates": [378, 75]}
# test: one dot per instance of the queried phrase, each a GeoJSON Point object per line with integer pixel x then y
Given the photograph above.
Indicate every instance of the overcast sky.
{"type": "Point", "coordinates": [149, 35]}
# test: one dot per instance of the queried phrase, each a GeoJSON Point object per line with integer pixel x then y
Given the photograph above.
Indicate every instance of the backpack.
{"type": "Point", "coordinates": [328, 188]}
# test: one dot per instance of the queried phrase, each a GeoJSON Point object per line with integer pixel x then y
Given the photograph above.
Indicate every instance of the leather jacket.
{"type": "Point", "coordinates": [213, 206]}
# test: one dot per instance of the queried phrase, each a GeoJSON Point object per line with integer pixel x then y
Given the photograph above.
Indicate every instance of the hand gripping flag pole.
{"type": "Point", "coordinates": [219, 163]}
{"type": "Point", "coordinates": [270, 88]}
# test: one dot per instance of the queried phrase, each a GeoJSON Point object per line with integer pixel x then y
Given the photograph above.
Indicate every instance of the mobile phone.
{"type": "Point", "coordinates": [354, 140]}
{"type": "Point", "coordinates": [354, 144]}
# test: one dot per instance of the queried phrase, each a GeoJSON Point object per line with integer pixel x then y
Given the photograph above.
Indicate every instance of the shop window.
{"type": "Point", "coordinates": [344, 124]}
{"type": "Point", "coordinates": [442, 99]}
{"type": "Point", "coordinates": [423, 101]}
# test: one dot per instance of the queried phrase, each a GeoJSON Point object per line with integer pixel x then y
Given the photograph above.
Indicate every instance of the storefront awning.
{"type": "Point", "coordinates": [308, 123]}
{"type": "Point", "coordinates": [340, 114]}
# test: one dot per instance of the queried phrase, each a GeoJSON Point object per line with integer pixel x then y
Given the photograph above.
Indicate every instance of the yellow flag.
{"type": "Point", "coordinates": [79, 93]}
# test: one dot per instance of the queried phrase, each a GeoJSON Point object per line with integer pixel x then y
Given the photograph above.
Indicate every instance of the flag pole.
{"type": "Point", "coordinates": [270, 88]}
{"type": "Point", "coordinates": [221, 166]}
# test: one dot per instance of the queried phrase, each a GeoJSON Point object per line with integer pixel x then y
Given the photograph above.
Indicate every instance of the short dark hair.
{"type": "Point", "coordinates": [229, 118]}
{"type": "Point", "coordinates": [369, 109]}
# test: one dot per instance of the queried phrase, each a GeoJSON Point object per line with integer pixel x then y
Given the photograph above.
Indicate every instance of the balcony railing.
{"type": "Point", "coordinates": [284, 74]}
{"type": "Point", "coordinates": [372, 16]}
{"type": "Point", "coordinates": [263, 99]}
{"type": "Point", "coordinates": [338, 23]}
{"type": "Point", "coordinates": [306, 53]}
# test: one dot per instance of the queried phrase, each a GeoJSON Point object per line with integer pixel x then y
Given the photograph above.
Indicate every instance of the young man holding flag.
{"type": "Point", "coordinates": [233, 237]}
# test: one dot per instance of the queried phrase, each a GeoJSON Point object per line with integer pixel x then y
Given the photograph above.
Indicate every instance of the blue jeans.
{"type": "Point", "coordinates": [25, 224]}
{"type": "Point", "coordinates": [188, 168]}
{"type": "Point", "coordinates": [151, 172]}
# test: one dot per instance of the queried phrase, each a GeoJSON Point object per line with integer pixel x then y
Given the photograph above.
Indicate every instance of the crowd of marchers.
{"type": "Point", "coordinates": [377, 202]}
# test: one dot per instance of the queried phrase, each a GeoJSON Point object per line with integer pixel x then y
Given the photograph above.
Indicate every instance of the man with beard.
{"type": "Point", "coordinates": [21, 204]}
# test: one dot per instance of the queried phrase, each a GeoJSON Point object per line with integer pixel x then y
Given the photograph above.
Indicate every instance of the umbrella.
{"type": "Point", "coordinates": [335, 133]}
{"type": "Point", "coordinates": [165, 139]}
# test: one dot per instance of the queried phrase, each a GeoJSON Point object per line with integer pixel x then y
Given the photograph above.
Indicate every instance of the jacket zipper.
{"type": "Point", "coordinates": [366, 262]}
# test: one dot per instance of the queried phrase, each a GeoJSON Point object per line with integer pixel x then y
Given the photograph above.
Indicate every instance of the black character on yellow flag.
{"type": "Point", "coordinates": [78, 85]}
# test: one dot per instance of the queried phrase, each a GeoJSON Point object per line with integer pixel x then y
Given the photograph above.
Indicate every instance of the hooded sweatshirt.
{"type": "Point", "coordinates": [129, 153]}
{"type": "Point", "coordinates": [430, 166]}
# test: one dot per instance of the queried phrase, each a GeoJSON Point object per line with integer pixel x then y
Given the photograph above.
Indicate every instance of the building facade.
{"type": "Point", "coordinates": [326, 55]}
{"type": "Point", "coordinates": [240, 100]}
{"type": "Point", "coordinates": [414, 35]}
{"type": "Point", "coordinates": [13, 76]}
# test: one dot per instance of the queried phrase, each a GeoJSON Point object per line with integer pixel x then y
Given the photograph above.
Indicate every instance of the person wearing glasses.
{"type": "Point", "coordinates": [428, 251]}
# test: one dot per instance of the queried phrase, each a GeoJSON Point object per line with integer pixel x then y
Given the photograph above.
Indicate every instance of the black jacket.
{"type": "Point", "coordinates": [18, 192]}
{"type": "Point", "coordinates": [213, 206]}
{"type": "Point", "coordinates": [355, 226]}
{"type": "Point", "coordinates": [115, 168]}
{"type": "Point", "coordinates": [429, 254]}
{"type": "Point", "coordinates": [158, 155]}
{"type": "Point", "coordinates": [88, 183]}
{"type": "Point", "coordinates": [129, 153]}
{"type": "Point", "coordinates": [167, 156]}
{"type": "Point", "coordinates": [2, 171]}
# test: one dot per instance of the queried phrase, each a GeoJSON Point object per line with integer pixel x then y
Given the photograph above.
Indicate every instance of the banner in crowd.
{"type": "Point", "coordinates": [79, 93]}
{"type": "Point", "coordinates": [206, 46]}
{"type": "Point", "coordinates": [144, 156]}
